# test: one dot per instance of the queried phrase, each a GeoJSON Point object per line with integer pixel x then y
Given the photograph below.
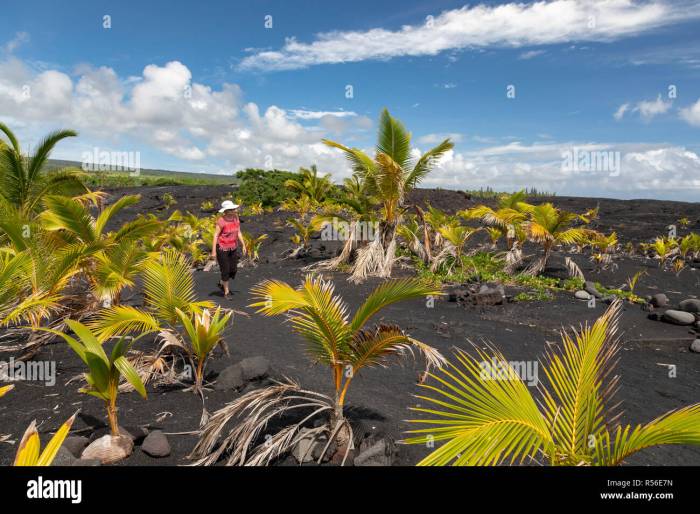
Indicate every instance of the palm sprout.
{"type": "Point", "coordinates": [345, 345]}
{"type": "Point", "coordinates": [23, 180]}
{"type": "Point", "coordinates": [389, 176]}
{"type": "Point", "coordinates": [549, 227]}
{"type": "Point", "coordinates": [487, 420]}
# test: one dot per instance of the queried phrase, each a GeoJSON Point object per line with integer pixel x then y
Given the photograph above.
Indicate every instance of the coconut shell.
{"type": "Point", "coordinates": [109, 449]}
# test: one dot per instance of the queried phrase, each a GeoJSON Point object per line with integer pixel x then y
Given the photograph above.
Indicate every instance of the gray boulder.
{"type": "Point", "coordinates": [695, 346]}
{"type": "Point", "coordinates": [63, 458]}
{"type": "Point", "coordinates": [590, 288]}
{"type": "Point", "coordinates": [230, 378]}
{"type": "Point", "coordinates": [254, 367]}
{"type": "Point", "coordinates": [659, 300]}
{"type": "Point", "coordinates": [690, 305]}
{"type": "Point", "coordinates": [156, 444]}
{"type": "Point", "coordinates": [375, 453]}
{"type": "Point", "coordinates": [678, 317]}
{"type": "Point", "coordinates": [582, 295]}
{"type": "Point", "coordinates": [75, 444]}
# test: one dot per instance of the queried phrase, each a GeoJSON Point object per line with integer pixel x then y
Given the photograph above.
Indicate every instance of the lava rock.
{"type": "Point", "coordinates": [255, 367]}
{"type": "Point", "coordinates": [308, 443]}
{"type": "Point", "coordinates": [63, 457]}
{"type": "Point", "coordinates": [695, 346]}
{"type": "Point", "coordinates": [230, 377]}
{"type": "Point", "coordinates": [380, 453]}
{"type": "Point", "coordinates": [75, 444]}
{"type": "Point", "coordinates": [582, 295]}
{"type": "Point", "coordinates": [655, 316]}
{"type": "Point", "coordinates": [590, 288]}
{"type": "Point", "coordinates": [679, 317]}
{"type": "Point", "coordinates": [659, 300]}
{"type": "Point", "coordinates": [138, 434]}
{"type": "Point", "coordinates": [156, 444]}
{"type": "Point", "coordinates": [690, 305]}
{"type": "Point", "coordinates": [87, 462]}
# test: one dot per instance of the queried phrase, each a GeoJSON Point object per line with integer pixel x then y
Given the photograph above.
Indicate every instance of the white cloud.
{"type": "Point", "coordinates": [620, 112]}
{"type": "Point", "coordinates": [501, 26]}
{"type": "Point", "coordinates": [315, 115]}
{"type": "Point", "coordinates": [165, 110]}
{"type": "Point", "coordinates": [14, 43]}
{"type": "Point", "coordinates": [434, 139]}
{"type": "Point", "coordinates": [530, 54]}
{"type": "Point", "coordinates": [645, 170]}
{"type": "Point", "coordinates": [691, 114]}
{"type": "Point", "coordinates": [648, 109]}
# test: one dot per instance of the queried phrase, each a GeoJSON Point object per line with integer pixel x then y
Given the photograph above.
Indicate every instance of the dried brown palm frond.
{"type": "Point", "coordinates": [252, 412]}
{"type": "Point", "coordinates": [513, 258]}
{"type": "Point", "coordinates": [374, 260]}
{"type": "Point", "coordinates": [153, 368]}
{"type": "Point", "coordinates": [573, 269]}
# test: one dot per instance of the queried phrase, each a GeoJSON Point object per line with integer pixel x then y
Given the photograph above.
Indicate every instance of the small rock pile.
{"type": "Point", "coordinates": [686, 314]}
{"type": "Point", "coordinates": [103, 448]}
{"type": "Point", "coordinates": [480, 295]}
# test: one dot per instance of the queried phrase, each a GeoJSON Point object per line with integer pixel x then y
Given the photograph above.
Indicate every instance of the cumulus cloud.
{"type": "Point", "coordinates": [511, 25]}
{"type": "Point", "coordinates": [644, 171]}
{"type": "Point", "coordinates": [691, 114]}
{"type": "Point", "coordinates": [647, 109]}
{"type": "Point", "coordinates": [166, 110]}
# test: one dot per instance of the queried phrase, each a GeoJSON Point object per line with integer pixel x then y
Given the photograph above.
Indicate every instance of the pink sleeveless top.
{"type": "Point", "coordinates": [228, 237]}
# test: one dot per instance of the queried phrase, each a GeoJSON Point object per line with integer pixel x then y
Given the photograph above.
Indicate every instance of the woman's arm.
{"type": "Point", "coordinates": [242, 241]}
{"type": "Point", "coordinates": [217, 231]}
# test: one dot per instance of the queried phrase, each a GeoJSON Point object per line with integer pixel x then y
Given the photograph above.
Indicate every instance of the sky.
{"type": "Point", "coordinates": [577, 97]}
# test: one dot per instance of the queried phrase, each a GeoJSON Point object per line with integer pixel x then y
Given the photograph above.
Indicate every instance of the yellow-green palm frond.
{"type": "Point", "coordinates": [680, 426]}
{"type": "Point", "coordinates": [578, 386]}
{"type": "Point", "coordinates": [123, 319]}
{"type": "Point", "coordinates": [313, 310]}
{"type": "Point", "coordinates": [388, 293]}
{"type": "Point", "coordinates": [6, 389]}
{"type": "Point", "coordinates": [426, 161]}
{"type": "Point", "coordinates": [168, 285]}
{"type": "Point", "coordinates": [483, 411]}
{"type": "Point", "coordinates": [29, 451]}
{"type": "Point", "coordinates": [108, 212]}
{"type": "Point", "coordinates": [360, 162]}
{"type": "Point", "coordinates": [374, 347]}
{"type": "Point", "coordinates": [64, 213]}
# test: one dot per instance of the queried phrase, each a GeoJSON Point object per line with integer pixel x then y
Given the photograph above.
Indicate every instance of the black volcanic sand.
{"type": "Point", "coordinates": [378, 400]}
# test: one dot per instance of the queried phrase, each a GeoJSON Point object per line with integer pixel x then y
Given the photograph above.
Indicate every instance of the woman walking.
{"type": "Point", "coordinates": [227, 237]}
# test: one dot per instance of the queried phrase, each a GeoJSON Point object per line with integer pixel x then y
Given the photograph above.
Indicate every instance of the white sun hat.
{"type": "Point", "coordinates": [228, 205]}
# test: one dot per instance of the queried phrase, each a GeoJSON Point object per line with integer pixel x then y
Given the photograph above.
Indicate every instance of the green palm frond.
{"type": "Point", "coordinates": [394, 140]}
{"type": "Point", "coordinates": [680, 426]}
{"type": "Point", "coordinates": [484, 412]}
{"type": "Point", "coordinates": [388, 293]}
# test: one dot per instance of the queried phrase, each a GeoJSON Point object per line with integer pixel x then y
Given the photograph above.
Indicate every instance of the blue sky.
{"type": "Point", "coordinates": [208, 87]}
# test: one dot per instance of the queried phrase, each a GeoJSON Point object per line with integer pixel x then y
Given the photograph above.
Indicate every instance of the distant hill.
{"type": "Point", "coordinates": [146, 176]}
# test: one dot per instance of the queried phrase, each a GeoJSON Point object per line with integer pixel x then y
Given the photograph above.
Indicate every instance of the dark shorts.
{"type": "Point", "coordinates": [228, 263]}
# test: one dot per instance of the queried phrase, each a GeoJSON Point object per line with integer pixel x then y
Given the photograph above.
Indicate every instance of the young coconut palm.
{"type": "Point", "coordinates": [345, 345]}
{"type": "Point", "coordinates": [509, 216]}
{"type": "Point", "coordinates": [309, 184]}
{"type": "Point", "coordinates": [29, 451]}
{"type": "Point", "coordinates": [455, 236]}
{"type": "Point", "coordinates": [550, 227]}
{"type": "Point", "coordinates": [23, 180]}
{"type": "Point", "coordinates": [168, 286]}
{"type": "Point", "coordinates": [204, 332]}
{"type": "Point", "coordinates": [252, 246]}
{"type": "Point", "coordinates": [389, 176]}
{"type": "Point", "coordinates": [105, 371]}
{"type": "Point", "coordinates": [486, 414]}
